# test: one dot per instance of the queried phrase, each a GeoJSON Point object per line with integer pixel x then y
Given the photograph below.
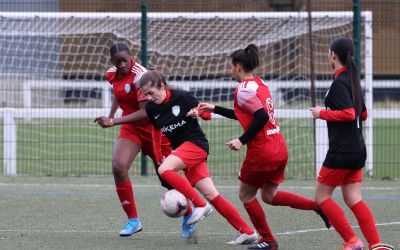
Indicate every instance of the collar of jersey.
{"type": "Point", "coordinates": [337, 72]}
{"type": "Point", "coordinates": [167, 96]}
{"type": "Point", "coordinates": [251, 79]}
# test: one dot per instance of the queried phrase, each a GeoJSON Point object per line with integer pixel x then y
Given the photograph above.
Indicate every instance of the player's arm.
{"type": "Point", "coordinates": [343, 101]}
{"type": "Point", "coordinates": [194, 111]}
{"type": "Point", "coordinates": [107, 122]}
{"type": "Point", "coordinates": [260, 119]}
{"type": "Point", "coordinates": [137, 116]}
{"type": "Point", "coordinates": [248, 101]}
{"type": "Point", "coordinates": [211, 108]}
{"type": "Point", "coordinates": [114, 108]}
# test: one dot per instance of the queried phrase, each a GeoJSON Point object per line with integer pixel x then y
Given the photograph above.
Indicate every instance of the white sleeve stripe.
{"type": "Point", "coordinates": [139, 67]}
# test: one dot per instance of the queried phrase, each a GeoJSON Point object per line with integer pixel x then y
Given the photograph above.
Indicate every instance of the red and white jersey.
{"type": "Point", "coordinates": [268, 146]}
{"type": "Point", "coordinates": [126, 89]}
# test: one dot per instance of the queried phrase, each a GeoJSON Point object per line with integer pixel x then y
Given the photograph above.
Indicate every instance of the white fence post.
{"type": "Point", "coordinates": [321, 144]}
{"type": "Point", "coordinates": [9, 143]}
{"type": "Point", "coordinates": [368, 74]}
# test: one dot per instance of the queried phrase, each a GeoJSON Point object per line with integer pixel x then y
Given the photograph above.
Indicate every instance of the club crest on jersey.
{"type": "Point", "coordinates": [127, 88]}
{"type": "Point", "coordinates": [176, 110]}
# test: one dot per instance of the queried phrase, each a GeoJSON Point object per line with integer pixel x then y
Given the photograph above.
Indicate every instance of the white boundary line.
{"type": "Point", "coordinates": [176, 232]}
{"type": "Point", "coordinates": [157, 186]}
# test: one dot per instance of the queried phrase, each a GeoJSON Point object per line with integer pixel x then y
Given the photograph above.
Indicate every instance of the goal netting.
{"type": "Point", "coordinates": [56, 61]}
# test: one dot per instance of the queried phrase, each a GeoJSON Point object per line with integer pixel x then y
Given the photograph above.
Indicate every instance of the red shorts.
{"type": "Point", "coordinates": [195, 159]}
{"type": "Point", "coordinates": [143, 137]}
{"type": "Point", "coordinates": [259, 178]}
{"type": "Point", "coordinates": [339, 177]}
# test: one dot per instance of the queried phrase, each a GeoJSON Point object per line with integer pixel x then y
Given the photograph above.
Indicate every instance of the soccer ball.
{"type": "Point", "coordinates": [174, 204]}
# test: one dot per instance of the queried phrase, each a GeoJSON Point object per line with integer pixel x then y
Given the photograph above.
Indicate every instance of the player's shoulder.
{"type": "Point", "coordinates": [110, 73]}
{"type": "Point", "coordinates": [137, 69]}
{"type": "Point", "coordinates": [178, 91]}
{"type": "Point", "coordinates": [248, 85]}
{"type": "Point", "coordinates": [150, 106]}
{"type": "Point", "coordinates": [341, 82]}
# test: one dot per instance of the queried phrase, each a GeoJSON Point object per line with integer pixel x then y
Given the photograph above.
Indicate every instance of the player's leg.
{"type": "Point", "coordinates": [336, 216]}
{"type": "Point", "coordinates": [247, 194]}
{"type": "Point", "coordinates": [227, 210]}
{"type": "Point", "coordinates": [352, 197]}
{"type": "Point", "coordinates": [271, 195]}
{"type": "Point", "coordinates": [167, 171]}
{"type": "Point", "coordinates": [125, 152]}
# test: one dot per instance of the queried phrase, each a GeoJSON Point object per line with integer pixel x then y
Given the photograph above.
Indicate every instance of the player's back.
{"type": "Point", "coordinates": [269, 141]}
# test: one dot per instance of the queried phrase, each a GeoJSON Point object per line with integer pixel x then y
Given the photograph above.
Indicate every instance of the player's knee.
{"type": "Point", "coordinates": [267, 198]}
{"type": "Point", "coordinates": [319, 198]}
{"type": "Point", "coordinates": [351, 200]}
{"type": "Point", "coordinates": [161, 169]}
{"type": "Point", "coordinates": [119, 168]}
{"type": "Point", "coordinates": [244, 196]}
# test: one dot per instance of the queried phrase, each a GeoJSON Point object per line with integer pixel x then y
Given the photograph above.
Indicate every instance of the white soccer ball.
{"type": "Point", "coordinates": [174, 204]}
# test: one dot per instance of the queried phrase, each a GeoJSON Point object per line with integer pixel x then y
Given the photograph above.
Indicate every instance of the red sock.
{"type": "Point", "coordinates": [125, 194]}
{"type": "Point", "coordinates": [366, 221]}
{"type": "Point", "coordinates": [189, 211]}
{"type": "Point", "coordinates": [183, 186]}
{"type": "Point", "coordinates": [283, 198]}
{"type": "Point", "coordinates": [257, 217]}
{"type": "Point", "coordinates": [337, 218]}
{"type": "Point", "coordinates": [231, 214]}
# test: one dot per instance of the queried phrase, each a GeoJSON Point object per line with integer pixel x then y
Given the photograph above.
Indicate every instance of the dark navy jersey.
{"type": "Point", "coordinates": [171, 118]}
{"type": "Point", "coordinates": [346, 142]}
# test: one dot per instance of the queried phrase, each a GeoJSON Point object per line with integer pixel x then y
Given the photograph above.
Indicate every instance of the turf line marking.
{"type": "Point", "coordinates": [178, 232]}
{"type": "Point", "coordinates": [159, 186]}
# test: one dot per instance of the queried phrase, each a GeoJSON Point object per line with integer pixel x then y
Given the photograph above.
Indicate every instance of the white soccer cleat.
{"type": "Point", "coordinates": [244, 239]}
{"type": "Point", "coordinates": [200, 213]}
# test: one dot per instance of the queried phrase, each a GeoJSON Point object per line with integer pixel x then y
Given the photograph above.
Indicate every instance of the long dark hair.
{"type": "Point", "coordinates": [343, 47]}
{"type": "Point", "coordinates": [119, 46]}
{"type": "Point", "coordinates": [153, 78]}
{"type": "Point", "coordinates": [248, 57]}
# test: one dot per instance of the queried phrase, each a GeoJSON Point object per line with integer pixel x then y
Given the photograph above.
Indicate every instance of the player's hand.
{"type": "Point", "coordinates": [206, 107]}
{"type": "Point", "coordinates": [194, 113]}
{"type": "Point", "coordinates": [104, 122]}
{"type": "Point", "coordinates": [234, 144]}
{"type": "Point", "coordinates": [316, 111]}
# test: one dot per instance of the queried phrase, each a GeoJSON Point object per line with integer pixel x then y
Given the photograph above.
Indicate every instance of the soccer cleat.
{"type": "Point", "coordinates": [324, 218]}
{"type": "Point", "coordinates": [133, 226]}
{"type": "Point", "coordinates": [358, 245]}
{"type": "Point", "coordinates": [264, 245]}
{"type": "Point", "coordinates": [244, 239]}
{"type": "Point", "coordinates": [381, 246]}
{"type": "Point", "coordinates": [187, 230]}
{"type": "Point", "coordinates": [200, 213]}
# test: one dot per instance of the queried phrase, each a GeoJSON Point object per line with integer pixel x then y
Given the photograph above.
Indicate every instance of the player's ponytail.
{"type": "Point", "coordinates": [248, 57]}
{"type": "Point", "coordinates": [119, 46]}
{"type": "Point", "coordinates": [352, 74]}
{"type": "Point", "coordinates": [153, 78]}
{"type": "Point", "coordinates": [344, 49]}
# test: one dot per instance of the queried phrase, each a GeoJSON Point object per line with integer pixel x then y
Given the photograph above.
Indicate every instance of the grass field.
{"type": "Point", "coordinates": [84, 213]}
{"type": "Point", "coordinates": [67, 147]}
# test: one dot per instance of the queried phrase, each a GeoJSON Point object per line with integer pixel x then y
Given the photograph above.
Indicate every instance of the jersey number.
{"type": "Point", "coordinates": [270, 108]}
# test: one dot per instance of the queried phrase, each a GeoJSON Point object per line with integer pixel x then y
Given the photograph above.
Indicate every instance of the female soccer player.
{"type": "Point", "coordinates": [124, 78]}
{"type": "Point", "coordinates": [346, 154]}
{"type": "Point", "coordinates": [170, 110]}
{"type": "Point", "coordinates": [266, 156]}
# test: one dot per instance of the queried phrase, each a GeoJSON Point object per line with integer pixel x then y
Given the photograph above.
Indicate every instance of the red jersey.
{"type": "Point", "coordinates": [127, 91]}
{"type": "Point", "coordinates": [268, 146]}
